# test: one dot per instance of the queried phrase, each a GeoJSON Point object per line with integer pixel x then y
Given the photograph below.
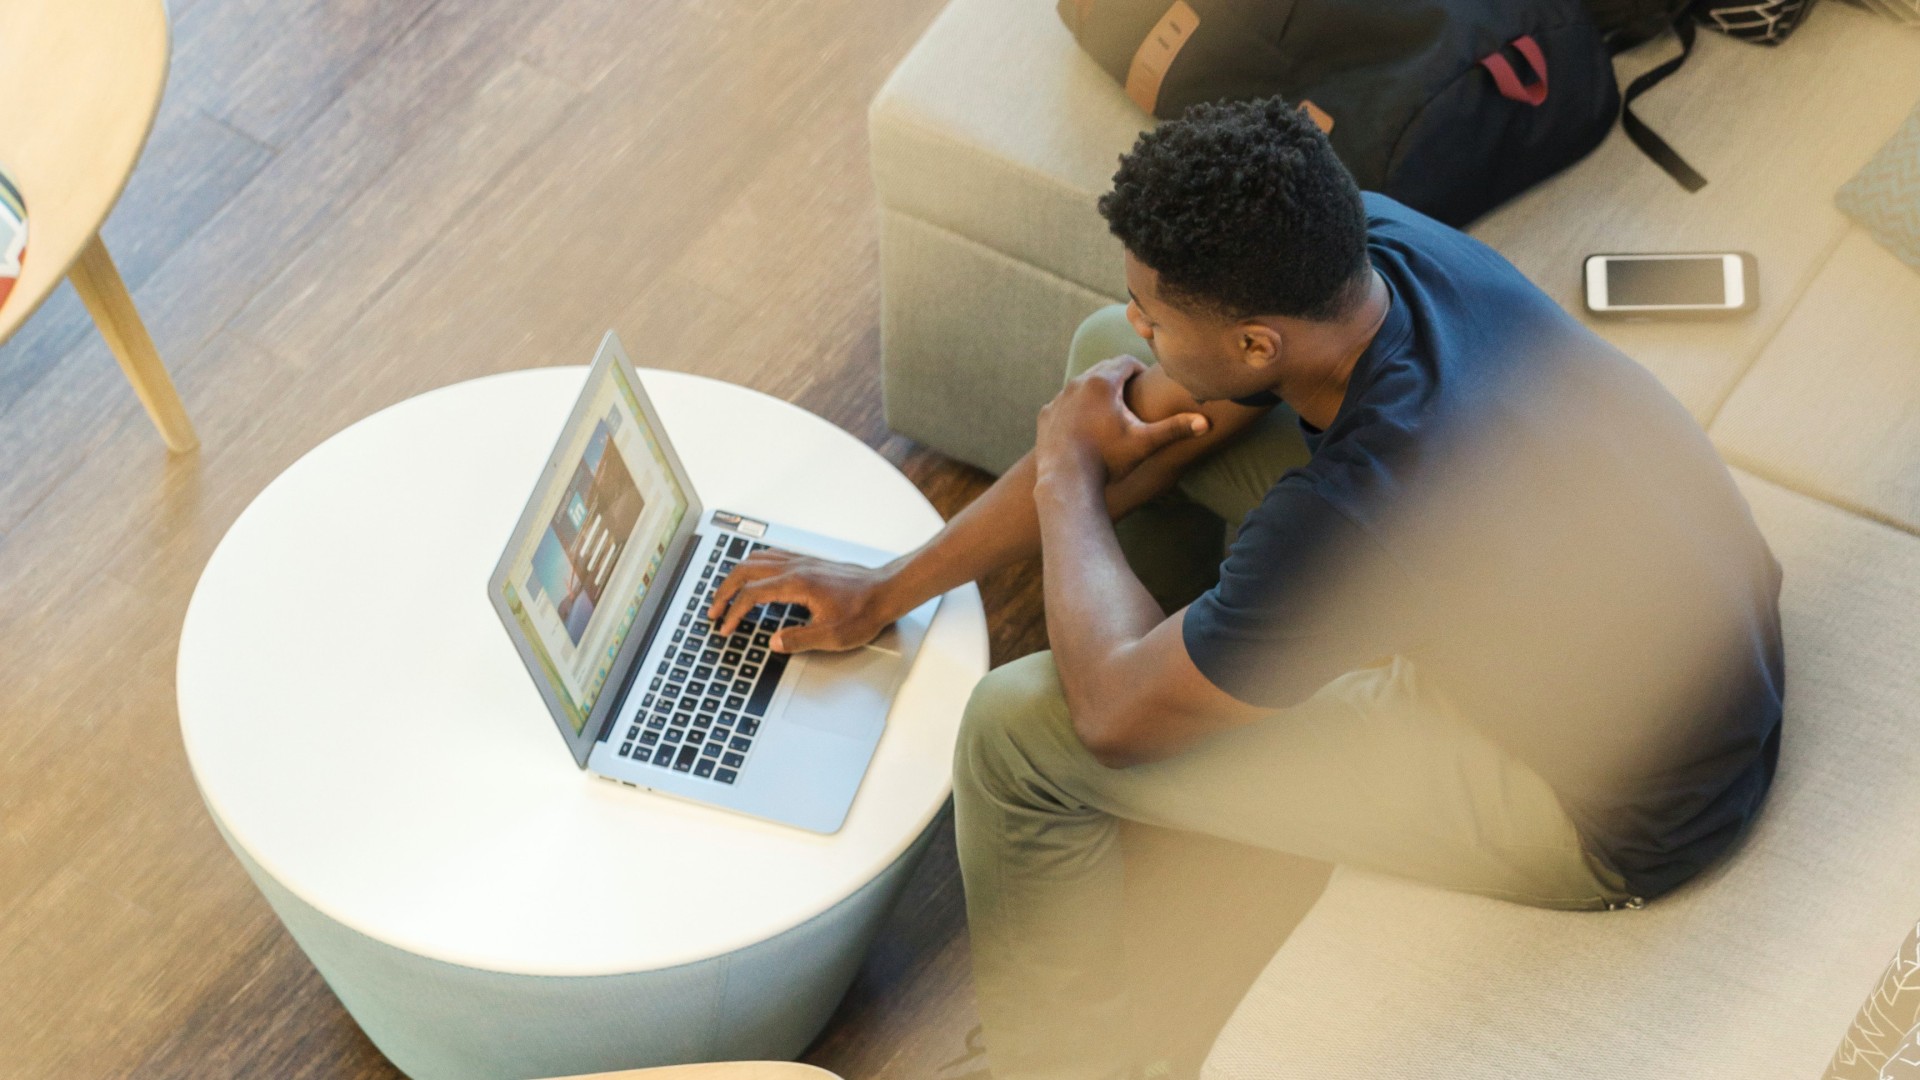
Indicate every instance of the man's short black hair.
{"type": "Point", "coordinates": [1242, 209]}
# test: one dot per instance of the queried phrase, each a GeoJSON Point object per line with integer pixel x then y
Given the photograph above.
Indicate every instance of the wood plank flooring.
{"type": "Point", "coordinates": [345, 203]}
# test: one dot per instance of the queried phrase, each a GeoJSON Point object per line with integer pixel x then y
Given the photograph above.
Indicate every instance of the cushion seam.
{"type": "Point", "coordinates": [1818, 267]}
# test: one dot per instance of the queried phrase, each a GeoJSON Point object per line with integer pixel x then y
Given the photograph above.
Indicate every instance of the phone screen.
{"type": "Point", "coordinates": [1695, 280]}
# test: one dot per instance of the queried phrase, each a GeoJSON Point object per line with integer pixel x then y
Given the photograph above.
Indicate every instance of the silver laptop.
{"type": "Point", "coordinates": [604, 589]}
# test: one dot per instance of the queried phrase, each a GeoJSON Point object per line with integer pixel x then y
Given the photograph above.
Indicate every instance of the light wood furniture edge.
{"type": "Point", "coordinates": [65, 212]}
{"type": "Point", "coordinates": [98, 282]}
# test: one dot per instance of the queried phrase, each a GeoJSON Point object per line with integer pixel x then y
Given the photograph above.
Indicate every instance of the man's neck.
{"type": "Point", "coordinates": [1317, 393]}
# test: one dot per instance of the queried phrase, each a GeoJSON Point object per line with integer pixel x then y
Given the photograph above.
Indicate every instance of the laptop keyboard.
{"type": "Point", "coordinates": [702, 707]}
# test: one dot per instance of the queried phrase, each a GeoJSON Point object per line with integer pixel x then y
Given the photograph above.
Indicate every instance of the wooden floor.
{"type": "Point", "coordinates": [345, 203]}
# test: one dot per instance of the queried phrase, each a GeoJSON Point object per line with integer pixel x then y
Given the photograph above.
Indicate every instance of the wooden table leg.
{"type": "Point", "coordinates": [98, 282]}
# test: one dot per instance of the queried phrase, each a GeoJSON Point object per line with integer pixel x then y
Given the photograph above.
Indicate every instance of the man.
{"type": "Point", "coordinates": [1494, 615]}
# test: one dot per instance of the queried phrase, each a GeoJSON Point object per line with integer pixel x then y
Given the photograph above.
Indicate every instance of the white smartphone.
{"type": "Point", "coordinates": [1672, 285]}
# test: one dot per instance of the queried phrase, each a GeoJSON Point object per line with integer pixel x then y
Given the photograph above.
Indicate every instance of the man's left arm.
{"type": "Point", "coordinates": [1133, 692]}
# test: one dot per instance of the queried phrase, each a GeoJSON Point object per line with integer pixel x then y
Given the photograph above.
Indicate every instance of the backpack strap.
{"type": "Point", "coordinates": [1643, 136]}
{"type": "Point", "coordinates": [1508, 82]}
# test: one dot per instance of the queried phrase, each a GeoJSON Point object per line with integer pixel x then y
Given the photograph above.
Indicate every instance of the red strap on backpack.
{"type": "Point", "coordinates": [1509, 82]}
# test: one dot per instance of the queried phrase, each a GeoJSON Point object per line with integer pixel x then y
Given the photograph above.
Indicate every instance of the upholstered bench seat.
{"type": "Point", "coordinates": [991, 142]}
{"type": "Point", "coordinates": [1832, 406]}
{"type": "Point", "coordinates": [1752, 970]}
{"type": "Point", "coordinates": [995, 135]}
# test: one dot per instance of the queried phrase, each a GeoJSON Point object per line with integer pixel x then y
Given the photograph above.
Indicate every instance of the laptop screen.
{"type": "Point", "coordinates": [576, 582]}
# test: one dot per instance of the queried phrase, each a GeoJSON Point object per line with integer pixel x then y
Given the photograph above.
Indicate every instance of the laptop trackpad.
{"type": "Point", "coordinates": [846, 693]}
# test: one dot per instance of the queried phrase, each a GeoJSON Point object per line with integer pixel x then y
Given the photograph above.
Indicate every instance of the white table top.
{"type": "Point", "coordinates": [357, 718]}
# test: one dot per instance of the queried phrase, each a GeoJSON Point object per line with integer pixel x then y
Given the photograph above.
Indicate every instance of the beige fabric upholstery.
{"type": "Point", "coordinates": [1833, 404]}
{"type": "Point", "coordinates": [984, 322]}
{"type": "Point", "coordinates": [999, 129]}
{"type": "Point", "coordinates": [1753, 970]}
{"type": "Point", "coordinates": [991, 143]}
{"type": "Point", "coordinates": [1775, 131]}
{"type": "Point", "coordinates": [997, 133]}
{"type": "Point", "coordinates": [1905, 1062]}
{"type": "Point", "coordinates": [1885, 1032]}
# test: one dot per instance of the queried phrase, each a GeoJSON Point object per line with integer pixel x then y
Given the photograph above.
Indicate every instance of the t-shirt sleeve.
{"type": "Point", "coordinates": [1303, 598]}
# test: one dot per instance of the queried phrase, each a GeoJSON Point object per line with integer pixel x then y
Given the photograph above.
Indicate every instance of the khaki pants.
{"type": "Point", "coordinates": [1376, 770]}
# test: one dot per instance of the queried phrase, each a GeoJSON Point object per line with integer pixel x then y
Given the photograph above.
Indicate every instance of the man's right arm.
{"type": "Point", "coordinates": [1002, 527]}
{"type": "Point", "coordinates": [850, 606]}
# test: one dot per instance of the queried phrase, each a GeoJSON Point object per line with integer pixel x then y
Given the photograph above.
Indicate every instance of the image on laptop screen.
{"type": "Point", "coordinates": [576, 585]}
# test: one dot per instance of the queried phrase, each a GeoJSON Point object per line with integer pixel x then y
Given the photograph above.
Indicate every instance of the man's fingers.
{"type": "Point", "coordinates": [763, 591]}
{"type": "Point", "coordinates": [743, 601]}
{"type": "Point", "coordinates": [749, 571]}
{"type": "Point", "coordinates": [1173, 429]}
{"type": "Point", "coordinates": [1121, 368]}
{"type": "Point", "coordinates": [784, 589]}
{"type": "Point", "coordinates": [812, 635]}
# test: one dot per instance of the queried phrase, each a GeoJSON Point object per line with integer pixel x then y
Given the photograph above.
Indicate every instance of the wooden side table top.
{"type": "Point", "coordinates": [80, 82]}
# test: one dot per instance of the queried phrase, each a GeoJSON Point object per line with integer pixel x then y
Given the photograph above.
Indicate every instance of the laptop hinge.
{"type": "Point", "coordinates": [653, 625]}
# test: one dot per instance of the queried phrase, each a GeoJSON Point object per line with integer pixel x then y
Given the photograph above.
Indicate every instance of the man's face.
{"type": "Point", "coordinates": [1203, 353]}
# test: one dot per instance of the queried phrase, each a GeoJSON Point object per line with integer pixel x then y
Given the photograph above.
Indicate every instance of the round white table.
{"type": "Point", "coordinates": [372, 748]}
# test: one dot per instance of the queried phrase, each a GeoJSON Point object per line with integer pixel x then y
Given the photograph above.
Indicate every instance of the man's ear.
{"type": "Point", "coordinates": [1259, 344]}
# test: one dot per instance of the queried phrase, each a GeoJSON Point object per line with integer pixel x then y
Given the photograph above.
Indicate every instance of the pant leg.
{"type": "Point", "coordinates": [1376, 770]}
{"type": "Point", "coordinates": [1039, 842]}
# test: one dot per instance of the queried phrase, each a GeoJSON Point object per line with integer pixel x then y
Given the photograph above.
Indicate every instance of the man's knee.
{"type": "Point", "coordinates": [1015, 725]}
{"type": "Point", "coordinates": [1105, 333]}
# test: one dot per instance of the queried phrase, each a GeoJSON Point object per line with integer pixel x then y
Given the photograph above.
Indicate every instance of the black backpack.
{"type": "Point", "coordinates": [1626, 23]}
{"type": "Point", "coordinates": [1450, 106]}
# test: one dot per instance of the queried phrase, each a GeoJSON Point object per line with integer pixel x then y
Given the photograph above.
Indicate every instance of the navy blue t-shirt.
{"type": "Point", "coordinates": [1532, 519]}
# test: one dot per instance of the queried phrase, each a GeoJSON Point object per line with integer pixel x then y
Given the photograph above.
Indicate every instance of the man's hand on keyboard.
{"type": "Point", "coordinates": [846, 604]}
